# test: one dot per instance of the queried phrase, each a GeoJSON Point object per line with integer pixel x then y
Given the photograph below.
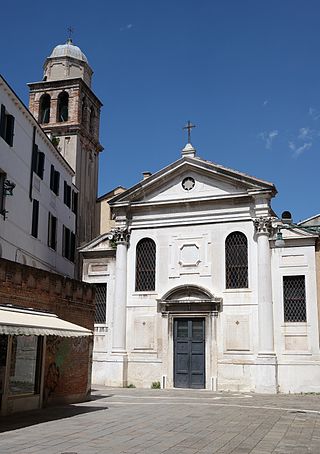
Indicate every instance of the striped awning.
{"type": "Point", "coordinates": [16, 321]}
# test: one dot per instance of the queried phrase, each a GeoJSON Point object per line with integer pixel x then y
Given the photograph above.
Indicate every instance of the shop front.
{"type": "Point", "coordinates": [27, 378]}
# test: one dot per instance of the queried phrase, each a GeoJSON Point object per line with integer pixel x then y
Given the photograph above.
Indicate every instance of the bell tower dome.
{"type": "Point", "coordinates": [67, 61]}
{"type": "Point", "coordinates": [68, 110]}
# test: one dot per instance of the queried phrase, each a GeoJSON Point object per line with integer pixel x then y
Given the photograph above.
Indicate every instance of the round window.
{"type": "Point", "coordinates": [188, 183]}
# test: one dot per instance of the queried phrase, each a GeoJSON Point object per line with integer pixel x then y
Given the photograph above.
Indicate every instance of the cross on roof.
{"type": "Point", "coordinates": [189, 126]}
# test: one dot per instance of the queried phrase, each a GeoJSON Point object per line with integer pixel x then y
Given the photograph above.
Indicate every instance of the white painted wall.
{"type": "Point", "coordinates": [17, 243]}
{"type": "Point", "coordinates": [297, 344]}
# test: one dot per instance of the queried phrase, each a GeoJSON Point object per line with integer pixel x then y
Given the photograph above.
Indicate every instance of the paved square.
{"type": "Point", "coordinates": [136, 421]}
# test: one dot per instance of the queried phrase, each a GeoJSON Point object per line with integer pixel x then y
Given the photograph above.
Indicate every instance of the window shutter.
{"type": "Point", "coordinates": [63, 241]}
{"type": "Point", "coordinates": [34, 157]}
{"type": "Point", "coordinates": [72, 246]}
{"type": "Point", "coordinates": [65, 193]}
{"type": "Point", "coordinates": [56, 182]}
{"type": "Point", "coordinates": [68, 195]}
{"type": "Point", "coordinates": [10, 130]}
{"type": "Point", "coordinates": [49, 228]}
{"type": "Point", "coordinates": [35, 218]}
{"type": "Point", "coordinates": [41, 158]}
{"type": "Point", "coordinates": [52, 178]}
{"type": "Point", "coordinates": [67, 243]}
{"type": "Point", "coordinates": [3, 121]}
{"type": "Point", "coordinates": [53, 232]}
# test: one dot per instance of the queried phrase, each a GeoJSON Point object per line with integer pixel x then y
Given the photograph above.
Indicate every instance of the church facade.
{"type": "Point", "coordinates": [195, 291]}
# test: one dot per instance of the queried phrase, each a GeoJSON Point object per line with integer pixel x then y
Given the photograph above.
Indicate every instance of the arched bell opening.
{"type": "Point", "coordinates": [63, 107]}
{"type": "Point", "coordinates": [44, 109]}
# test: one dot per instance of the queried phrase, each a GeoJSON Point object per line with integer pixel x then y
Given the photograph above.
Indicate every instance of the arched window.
{"type": "Point", "coordinates": [44, 109]}
{"type": "Point", "coordinates": [145, 265]}
{"type": "Point", "coordinates": [92, 120]}
{"type": "Point", "coordinates": [236, 260]}
{"type": "Point", "coordinates": [63, 102]}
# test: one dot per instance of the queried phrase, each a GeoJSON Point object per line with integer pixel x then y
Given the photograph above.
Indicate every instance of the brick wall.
{"type": "Point", "coordinates": [67, 376]}
{"type": "Point", "coordinates": [26, 286]}
{"type": "Point", "coordinates": [67, 368]}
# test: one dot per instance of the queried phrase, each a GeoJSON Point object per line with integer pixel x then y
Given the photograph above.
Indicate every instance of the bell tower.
{"type": "Point", "coordinates": [69, 112]}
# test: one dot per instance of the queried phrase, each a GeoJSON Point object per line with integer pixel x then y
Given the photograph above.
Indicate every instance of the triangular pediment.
{"type": "Point", "coordinates": [192, 178]}
{"type": "Point", "coordinates": [293, 233]}
{"type": "Point", "coordinates": [101, 243]}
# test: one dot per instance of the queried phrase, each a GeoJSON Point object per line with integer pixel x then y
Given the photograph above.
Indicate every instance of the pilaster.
{"type": "Point", "coordinates": [121, 237]}
{"type": "Point", "coordinates": [266, 373]}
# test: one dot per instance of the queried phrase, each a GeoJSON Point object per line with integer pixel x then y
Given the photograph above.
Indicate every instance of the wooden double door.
{"type": "Point", "coordinates": [189, 353]}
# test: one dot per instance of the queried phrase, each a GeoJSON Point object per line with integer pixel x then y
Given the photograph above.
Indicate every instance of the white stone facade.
{"type": "Point", "coordinates": [189, 209]}
{"type": "Point", "coordinates": [16, 242]}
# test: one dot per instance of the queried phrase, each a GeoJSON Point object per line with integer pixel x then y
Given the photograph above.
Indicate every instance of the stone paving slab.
{"type": "Point", "coordinates": [132, 421]}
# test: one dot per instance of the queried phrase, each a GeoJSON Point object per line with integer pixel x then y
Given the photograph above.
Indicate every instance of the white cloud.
{"type": "Point", "coordinates": [305, 133]}
{"type": "Point", "coordinates": [265, 102]}
{"type": "Point", "coordinates": [268, 138]}
{"type": "Point", "coordinates": [314, 113]}
{"type": "Point", "coordinates": [126, 27]}
{"type": "Point", "coordinates": [298, 150]}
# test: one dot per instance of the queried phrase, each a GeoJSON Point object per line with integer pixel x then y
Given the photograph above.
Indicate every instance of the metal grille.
{"type": "Point", "coordinates": [101, 302]}
{"type": "Point", "coordinates": [294, 299]}
{"type": "Point", "coordinates": [236, 261]}
{"type": "Point", "coordinates": [145, 265]}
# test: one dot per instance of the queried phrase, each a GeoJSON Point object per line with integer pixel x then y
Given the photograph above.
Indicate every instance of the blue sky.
{"type": "Point", "coordinates": [246, 72]}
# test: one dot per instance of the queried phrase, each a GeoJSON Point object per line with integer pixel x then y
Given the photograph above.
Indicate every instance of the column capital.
{"type": "Point", "coordinates": [120, 235]}
{"type": "Point", "coordinates": [263, 225]}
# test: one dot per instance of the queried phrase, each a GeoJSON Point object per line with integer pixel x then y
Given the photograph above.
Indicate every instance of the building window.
{"type": "Point", "coordinates": [68, 244]}
{"type": "Point", "coordinates": [6, 126]}
{"type": "Point", "coordinates": [63, 107]}
{"type": "Point", "coordinates": [145, 265]}
{"type": "Point", "coordinates": [236, 249]}
{"type": "Point", "coordinates": [3, 176]}
{"type": "Point", "coordinates": [35, 218]}
{"type": "Point", "coordinates": [67, 194]}
{"type": "Point", "coordinates": [52, 231]}
{"type": "Point", "coordinates": [294, 299]}
{"type": "Point", "coordinates": [44, 109]}
{"type": "Point", "coordinates": [54, 180]}
{"type": "Point", "coordinates": [38, 158]}
{"type": "Point", "coordinates": [101, 303]}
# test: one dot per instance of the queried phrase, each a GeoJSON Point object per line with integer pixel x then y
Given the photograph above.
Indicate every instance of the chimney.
{"type": "Point", "coordinates": [146, 175]}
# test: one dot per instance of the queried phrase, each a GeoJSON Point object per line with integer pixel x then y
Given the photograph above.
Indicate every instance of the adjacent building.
{"type": "Point", "coordinates": [38, 199]}
{"type": "Point", "coordinates": [200, 285]}
{"type": "Point", "coordinates": [48, 183]}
